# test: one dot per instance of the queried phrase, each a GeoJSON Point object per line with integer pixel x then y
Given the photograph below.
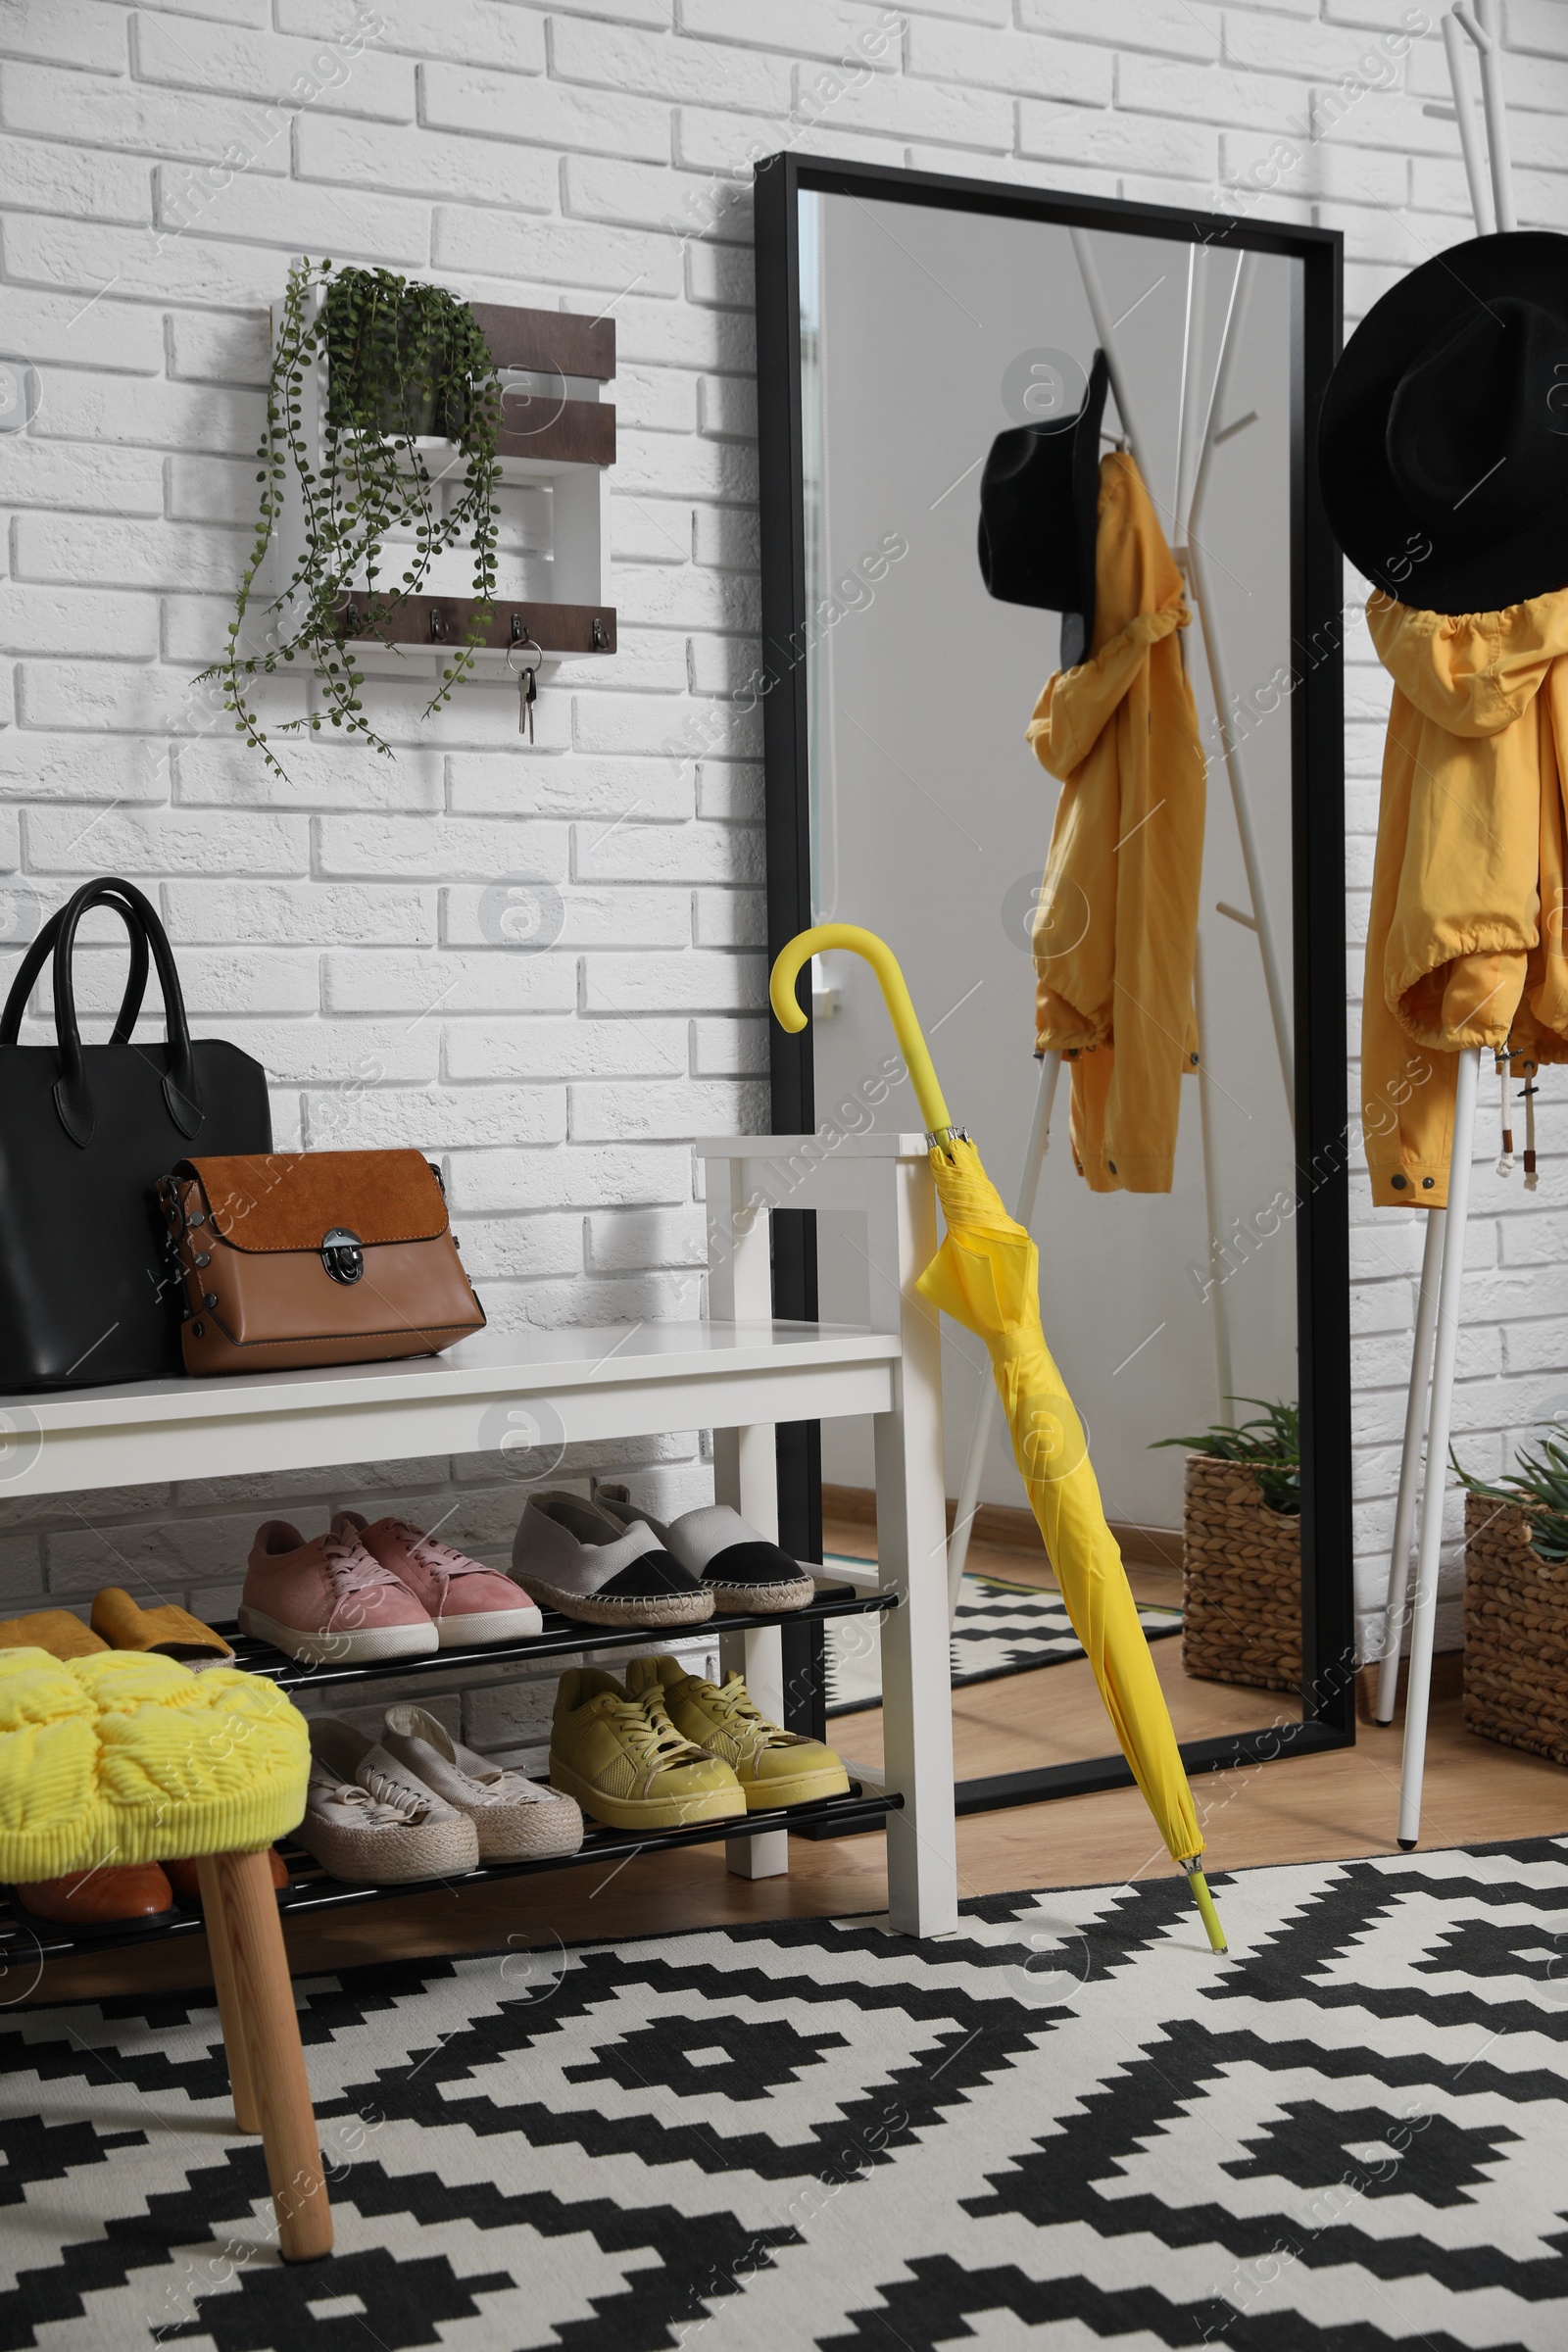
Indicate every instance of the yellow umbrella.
{"type": "Point", "coordinates": [986, 1275]}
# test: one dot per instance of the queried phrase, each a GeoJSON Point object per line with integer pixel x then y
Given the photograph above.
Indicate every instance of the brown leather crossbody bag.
{"type": "Point", "coordinates": [292, 1259]}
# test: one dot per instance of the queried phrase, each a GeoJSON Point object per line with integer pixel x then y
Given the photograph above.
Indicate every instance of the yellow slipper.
{"type": "Point", "coordinates": [58, 1631]}
{"type": "Point", "coordinates": [169, 1630]}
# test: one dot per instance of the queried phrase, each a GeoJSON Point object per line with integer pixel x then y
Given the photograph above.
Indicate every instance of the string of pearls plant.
{"type": "Point", "coordinates": [403, 361]}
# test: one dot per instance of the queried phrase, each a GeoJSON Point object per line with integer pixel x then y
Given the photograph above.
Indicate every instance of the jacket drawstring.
{"type": "Point", "coordinates": [1527, 1096]}
{"type": "Point", "coordinates": [1529, 1091]}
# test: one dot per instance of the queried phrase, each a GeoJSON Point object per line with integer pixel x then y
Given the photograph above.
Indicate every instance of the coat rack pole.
{"type": "Point", "coordinates": [1212, 1206]}
{"type": "Point", "coordinates": [1105, 337]}
{"type": "Point", "coordinates": [1475, 169]}
{"type": "Point", "coordinates": [1195, 424]}
{"type": "Point", "coordinates": [1190, 419]}
{"type": "Point", "coordinates": [1423, 1620]}
{"type": "Point", "coordinates": [1480, 22]}
{"type": "Point", "coordinates": [1198, 571]}
{"type": "Point", "coordinates": [1034, 1157]}
{"type": "Point", "coordinates": [1416, 1413]}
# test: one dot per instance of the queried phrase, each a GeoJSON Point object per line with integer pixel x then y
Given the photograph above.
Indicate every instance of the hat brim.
{"type": "Point", "coordinates": [1372, 521]}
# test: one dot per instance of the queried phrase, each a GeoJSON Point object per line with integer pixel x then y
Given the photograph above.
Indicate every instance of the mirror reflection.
{"type": "Point", "coordinates": [1048, 497]}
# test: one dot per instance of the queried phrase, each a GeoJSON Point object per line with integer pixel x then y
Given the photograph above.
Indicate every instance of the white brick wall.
{"type": "Point", "coordinates": [161, 165]}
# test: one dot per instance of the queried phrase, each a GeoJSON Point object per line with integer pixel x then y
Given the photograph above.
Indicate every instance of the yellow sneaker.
{"type": "Point", "coordinates": [773, 1767]}
{"type": "Point", "coordinates": [624, 1762]}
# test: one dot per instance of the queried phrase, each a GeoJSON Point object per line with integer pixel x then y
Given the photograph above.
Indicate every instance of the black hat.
{"type": "Point", "coordinates": [1444, 441]}
{"type": "Point", "coordinates": [1038, 496]}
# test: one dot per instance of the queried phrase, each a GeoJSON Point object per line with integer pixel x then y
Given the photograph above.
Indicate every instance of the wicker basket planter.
{"type": "Point", "coordinates": [1240, 1580]}
{"type": "Point", "coordinates": [1515, 1633]}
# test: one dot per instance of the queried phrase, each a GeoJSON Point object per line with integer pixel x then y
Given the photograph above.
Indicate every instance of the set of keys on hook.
{"type": "Point", "coordinates": [527, 676]}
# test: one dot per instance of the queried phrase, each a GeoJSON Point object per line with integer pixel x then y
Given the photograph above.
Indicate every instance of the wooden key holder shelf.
{"type": "Point", "coordinates": [557, 434]}
{"type": "Point", "coordinates": [442, 622]}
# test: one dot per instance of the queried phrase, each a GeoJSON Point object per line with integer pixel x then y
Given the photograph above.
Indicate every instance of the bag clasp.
{"type": "Point", "coordinates": [342, 1254]}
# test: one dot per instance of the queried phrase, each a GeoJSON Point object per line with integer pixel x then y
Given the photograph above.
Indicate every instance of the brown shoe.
{"type": "Point", "coordinates": [167, 1630]}
{"type": "Point", "coordinates": [94, 1901]}
{"type": "Point", "coordinates": [188, 1888]}
{"type": "Point", "coordinates": [58, 1631]}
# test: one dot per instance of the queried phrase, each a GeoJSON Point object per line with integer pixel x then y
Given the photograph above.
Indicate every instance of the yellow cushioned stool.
{"type": "Point", "coordinates": [122, 1757]}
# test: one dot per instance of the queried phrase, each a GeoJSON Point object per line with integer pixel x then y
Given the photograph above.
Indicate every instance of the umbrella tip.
{"type": "Point", "coordinates": [1205, 1907]}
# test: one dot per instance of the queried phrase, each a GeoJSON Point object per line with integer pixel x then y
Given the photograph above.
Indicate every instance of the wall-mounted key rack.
{"type": "Point", "coordinates": [443, 620]}
{"type": "Point", "coordinates": [557, 434]}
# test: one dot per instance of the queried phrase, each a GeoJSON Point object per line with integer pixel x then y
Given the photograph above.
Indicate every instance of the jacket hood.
{"type": "Point", "coordinates": [1473, 673]}
{"type": "Point", "coordinates": [1137, 600]}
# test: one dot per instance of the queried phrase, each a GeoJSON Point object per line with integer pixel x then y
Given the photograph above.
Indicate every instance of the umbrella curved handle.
{"type": "Point", "coordinates": [896, 995]}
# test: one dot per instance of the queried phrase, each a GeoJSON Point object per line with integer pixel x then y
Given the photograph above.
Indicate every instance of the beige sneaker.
{"type": "Point", "coordinates": [625, 1763]}
{"type": "Point", "coordinates": [773, 1767]}
{"type": "Point", "coordinates": [516, 1820]}
{"type": "Point", "coordinates": [368, 1820]}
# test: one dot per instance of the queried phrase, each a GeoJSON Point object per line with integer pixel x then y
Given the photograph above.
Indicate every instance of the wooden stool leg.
{"type": "Point", "coordinates": [229, 2009]}
{"type": "Point", "coordinates": [265, 1999]}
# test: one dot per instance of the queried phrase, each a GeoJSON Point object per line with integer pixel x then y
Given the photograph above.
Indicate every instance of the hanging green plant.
{"type": "Point", "coordinates": [403, 361]}
{"type": "Point", "coordinates": [1269, 1446]}
{"type": "Point", "coordinates": [1539, 1484]}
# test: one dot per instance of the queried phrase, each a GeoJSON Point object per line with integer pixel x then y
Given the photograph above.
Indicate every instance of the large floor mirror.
{"type": "Point", "coordinates": [949, 371]}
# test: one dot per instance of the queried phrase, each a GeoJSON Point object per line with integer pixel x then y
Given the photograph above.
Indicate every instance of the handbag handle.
{"type": "Point", "coordinates": [41, 946]}
{"type": "Point", "coordinates": [73, 1096]}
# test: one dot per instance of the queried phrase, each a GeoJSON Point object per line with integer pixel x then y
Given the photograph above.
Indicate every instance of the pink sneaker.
{"type": "Point", "coordinates": [328, 1600]}
{"type": "Point", "coordinates": [471, 1604]}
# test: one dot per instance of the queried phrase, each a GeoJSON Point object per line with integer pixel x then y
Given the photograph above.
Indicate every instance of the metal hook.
{"type": "Point", "coordinates": [523, 641]}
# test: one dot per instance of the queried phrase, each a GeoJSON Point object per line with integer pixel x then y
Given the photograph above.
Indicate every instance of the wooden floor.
{"type": "Point", "coordinates": [1316, 1808]}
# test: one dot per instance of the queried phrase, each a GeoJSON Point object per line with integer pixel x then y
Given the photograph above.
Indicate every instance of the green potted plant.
{"type": "Point", "coordinates": [403, 361]}
{"type": "Point", "coordinates": [1516, 1601]}
{"type": "Point", "coordinates": [1241, 1549]}
{"type": "Point", "coordinates": [1538, 1486]}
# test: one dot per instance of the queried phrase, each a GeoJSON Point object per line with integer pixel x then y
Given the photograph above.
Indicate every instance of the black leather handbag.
{"type": "Point", "coordinates": [87, 1294]}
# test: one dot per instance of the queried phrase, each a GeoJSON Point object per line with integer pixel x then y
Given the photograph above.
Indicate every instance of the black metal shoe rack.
{"type": "Point", "coordinates": [23, 1944]}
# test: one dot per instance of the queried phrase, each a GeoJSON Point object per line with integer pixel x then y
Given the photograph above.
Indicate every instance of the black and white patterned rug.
{"type": "Point", "coordinates": [1000, 1629]}
{"type": "Point", "coordinates": [1066, 2125]}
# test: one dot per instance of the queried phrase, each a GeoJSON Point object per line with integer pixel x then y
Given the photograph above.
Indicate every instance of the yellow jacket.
{"type": "Point", "coordinates": [1471, 845]}
{"type": "Point", "coordinates": [1119, 908]}
{"type": "Point", "coordinates": [124, 1756]}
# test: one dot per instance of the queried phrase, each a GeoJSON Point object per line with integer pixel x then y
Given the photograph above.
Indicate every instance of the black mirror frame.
{"type": "Point", "coordinates": [1317, 744]}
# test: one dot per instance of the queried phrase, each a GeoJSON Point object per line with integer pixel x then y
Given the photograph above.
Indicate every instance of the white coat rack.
{"type": "Point", "coordinates": [1195, 446]}
{"type": "Point", "coordinates": [1437, 1329]}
